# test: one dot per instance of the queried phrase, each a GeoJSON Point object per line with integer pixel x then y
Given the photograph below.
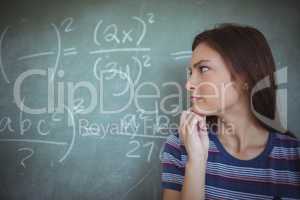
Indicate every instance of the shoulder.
{"type": "Point", "coordinates": [174, 149]}
{"type": "Point", "coordinates": [284, 140]}
{"type": "Point", "coordinates": [285, 147]}
{"type": "Point", "coordinates": [173, 143]}
{"type": "Point", "coordinates": [174, 138]}
{"type": "Point", "coordinates": [173, 164]}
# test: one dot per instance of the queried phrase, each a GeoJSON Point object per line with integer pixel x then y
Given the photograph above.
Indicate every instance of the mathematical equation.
{"type": "Point", "coordinates": [108, 71]}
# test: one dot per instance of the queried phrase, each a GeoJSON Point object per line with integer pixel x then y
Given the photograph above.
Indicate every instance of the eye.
{"type": "Point", "coordinates": [189, 71]}
{"type": "Point", "coordinates": [203, 69]}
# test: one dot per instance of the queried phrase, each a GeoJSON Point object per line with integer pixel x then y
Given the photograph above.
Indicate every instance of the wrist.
{"type": "Point", "coordinates": [197, 163]}
{"type": "Point", "coordinates": [198, 159]}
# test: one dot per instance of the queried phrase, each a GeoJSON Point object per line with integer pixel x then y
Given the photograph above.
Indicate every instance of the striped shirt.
{"type": "Point", "coordinates": [273, 174]}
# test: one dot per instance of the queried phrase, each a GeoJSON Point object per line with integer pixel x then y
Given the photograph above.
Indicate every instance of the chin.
{"type": "Point", "coordinates": [203, 110]}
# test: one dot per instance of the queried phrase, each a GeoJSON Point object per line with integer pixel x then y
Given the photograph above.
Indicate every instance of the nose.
{"type": "Point", "coordinates": [189, 86]}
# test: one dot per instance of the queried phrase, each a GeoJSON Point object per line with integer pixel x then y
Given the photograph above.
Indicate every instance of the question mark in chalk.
{"type": "Point", "coordinates": [27, 157]}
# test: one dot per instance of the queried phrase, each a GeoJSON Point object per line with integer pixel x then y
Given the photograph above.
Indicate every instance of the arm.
{"type": "Point", "coordinates": [171, 194]}
{"type": "Point", "coordinates": [197, 149]}
{"type": "Point", "coordinates": [194, 181]}
{"type": "Point", "coordinates": [196, 142]}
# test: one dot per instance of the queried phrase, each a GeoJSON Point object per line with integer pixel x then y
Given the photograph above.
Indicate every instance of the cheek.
{"type": "Point", "coordinates": [210, 104]}
{"type": "Point", "coordinates": [207, 89]}
{"type": "Point", "coordinates": [221, 98]}
{"type": "Point", "coordinates": [229, 97]}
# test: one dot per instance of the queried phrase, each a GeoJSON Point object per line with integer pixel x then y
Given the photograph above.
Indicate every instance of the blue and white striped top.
{"type": "Point", "coordinates": [274, 174]}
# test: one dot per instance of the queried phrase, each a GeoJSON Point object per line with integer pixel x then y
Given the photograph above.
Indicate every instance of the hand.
{"type": "Point", "coordinates": [194, 135]}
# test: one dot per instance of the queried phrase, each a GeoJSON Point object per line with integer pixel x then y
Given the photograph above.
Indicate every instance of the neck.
{"type": "Point", "coordinates": [239, 130]}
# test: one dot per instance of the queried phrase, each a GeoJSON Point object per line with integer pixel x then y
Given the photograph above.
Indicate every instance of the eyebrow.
{"type": "Point", "coordinates": [199, 62]}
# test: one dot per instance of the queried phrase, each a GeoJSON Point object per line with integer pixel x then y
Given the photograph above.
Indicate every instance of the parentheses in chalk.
{"type": "Point", "coordinates": [139, 64]}
{"type": "Point", "coordinates": [70, 148]}
{"type": "Point", "coordinates": [96, 41]}
{"type": "Point", "coordinates": [96, 63]}
{"type": "Point", "coordinates": [58, 37]}
{"type": "Point", "coordinates": [144, 29]}
{"type": "Point", "coordinates": [1, 63]}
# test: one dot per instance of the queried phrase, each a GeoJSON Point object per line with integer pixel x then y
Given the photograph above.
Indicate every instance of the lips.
{"type": "Point", "coordinates": [193, 98]}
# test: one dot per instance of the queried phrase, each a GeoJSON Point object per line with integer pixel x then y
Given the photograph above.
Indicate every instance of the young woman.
{"type": "Point", "coordinates": [226, 146]}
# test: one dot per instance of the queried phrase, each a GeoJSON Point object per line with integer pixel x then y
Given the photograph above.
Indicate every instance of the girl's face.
{"type": "Point", "coordinates": [210, 83]}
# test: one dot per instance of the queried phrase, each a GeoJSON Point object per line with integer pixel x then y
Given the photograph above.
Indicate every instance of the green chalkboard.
{"type": "Point", "coordinates": [91, 89]}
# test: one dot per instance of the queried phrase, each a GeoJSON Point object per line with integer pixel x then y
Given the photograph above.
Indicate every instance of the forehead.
{"type": "Point", "coordinates": [205, 52]}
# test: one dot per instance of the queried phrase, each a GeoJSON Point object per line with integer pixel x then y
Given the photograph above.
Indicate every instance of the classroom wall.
{"type": "Point", "coordinates": [90, 90]}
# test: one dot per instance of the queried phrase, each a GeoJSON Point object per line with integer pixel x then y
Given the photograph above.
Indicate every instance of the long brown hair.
{"type": "Point", "coordinates": [249, 58]}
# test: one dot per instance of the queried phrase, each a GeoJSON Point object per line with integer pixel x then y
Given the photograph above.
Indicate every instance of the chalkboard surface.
{"type": "Point", "coordinates": [91, 89]}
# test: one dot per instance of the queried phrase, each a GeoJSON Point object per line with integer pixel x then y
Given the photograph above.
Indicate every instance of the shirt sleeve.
{"type": "Point", "coordinates": [173, 167]}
